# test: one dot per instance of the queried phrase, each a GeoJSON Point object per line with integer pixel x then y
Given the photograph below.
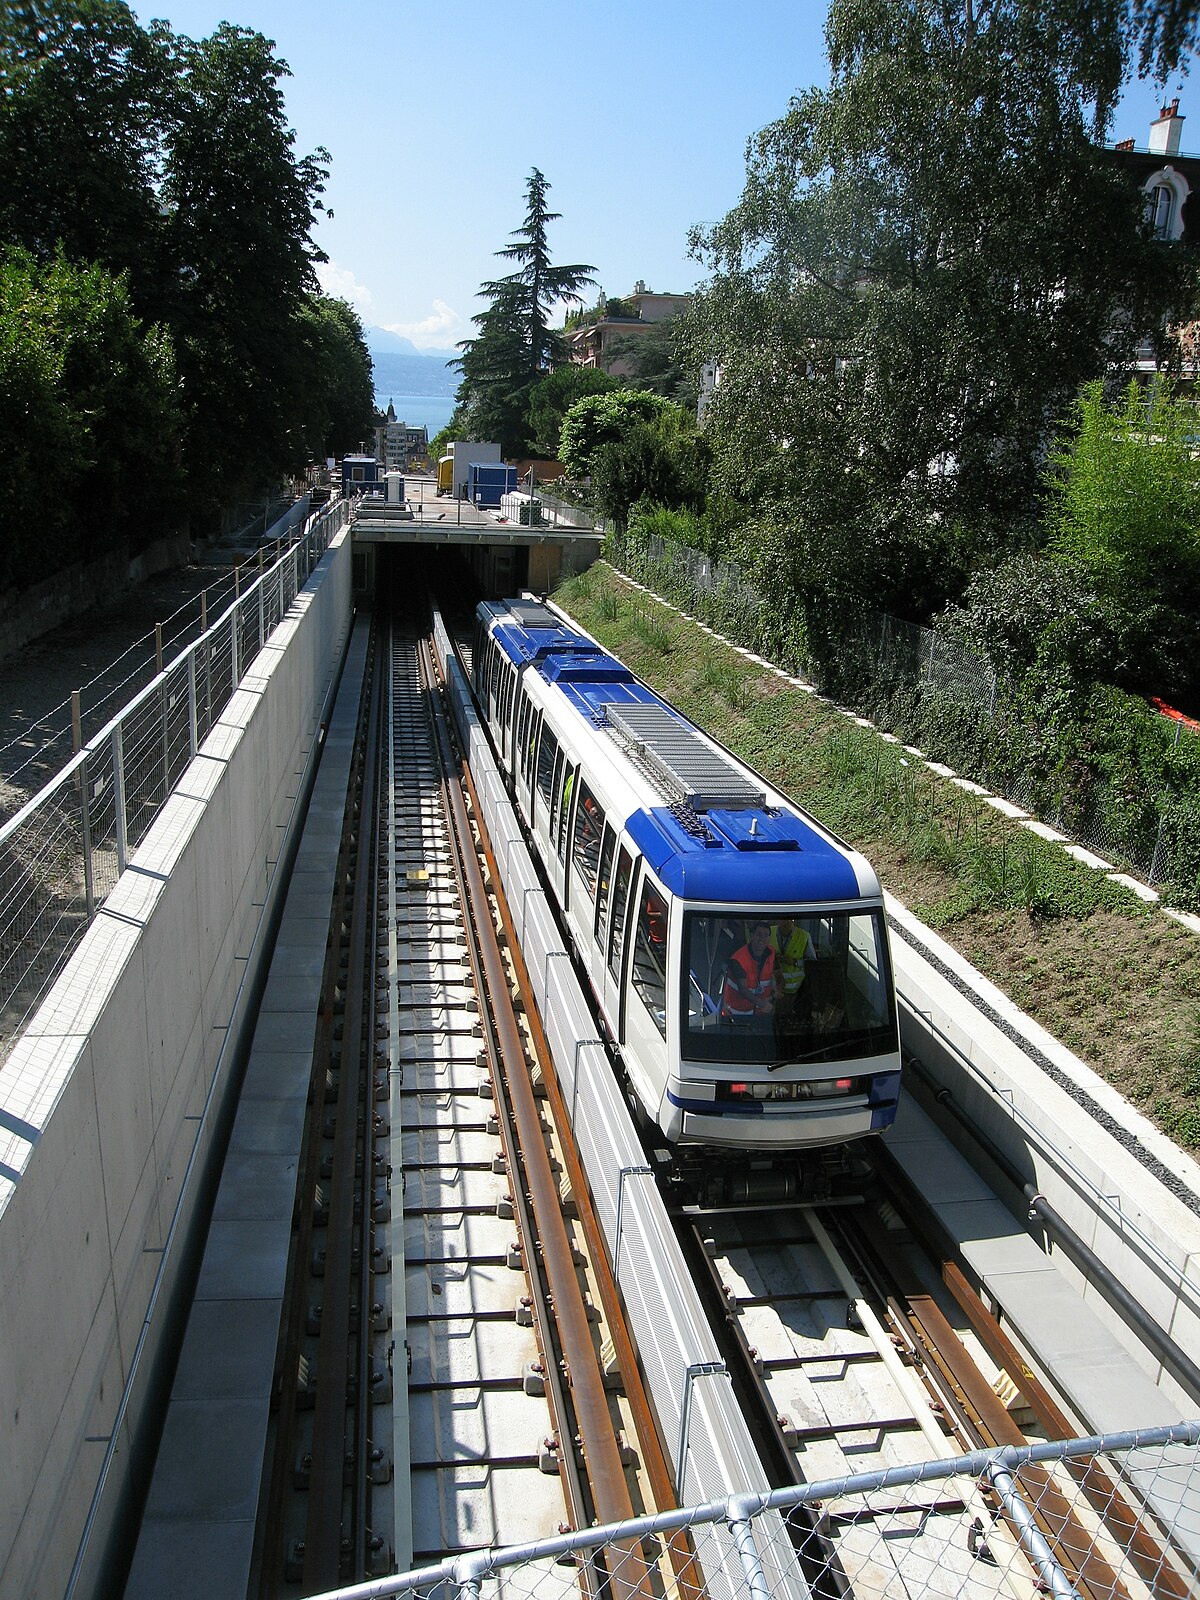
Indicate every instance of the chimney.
{"type": "Point", "coordinates": [1124, 144]}
{"type": "Point", "coordinates": [1166, 129]}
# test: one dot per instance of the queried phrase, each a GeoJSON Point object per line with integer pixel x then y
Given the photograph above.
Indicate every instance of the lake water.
{"type": "Point", "coordinates": [432, 411]}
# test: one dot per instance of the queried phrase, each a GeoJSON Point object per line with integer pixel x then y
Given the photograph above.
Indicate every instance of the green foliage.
{"type": "Point", "coordinates": [927, 260]}
{"type": "Point", "coordinates": [652, 360]}
{"type": "Point", "coordinates": [515, 345]}
{"type": "Point", "coordinates": [169, 162]}
{"type": "Point", "coordinates": [88, 416]}
{"type": "Point", "coordinates": [340, 392]}
{"type": "Point", "coordinates": [553, 395]}
{"type": "Point", "coordinates": [1124, 509]}
{"type": "Point", "coordinates": [603, 419]}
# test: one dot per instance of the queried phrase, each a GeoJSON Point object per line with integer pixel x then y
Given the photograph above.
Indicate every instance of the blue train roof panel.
{"type": "Point", "coordinates": [742, 856]}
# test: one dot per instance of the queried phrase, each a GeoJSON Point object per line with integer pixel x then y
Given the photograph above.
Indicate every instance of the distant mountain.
{"type": "Point", "coordinates": [382, 342]}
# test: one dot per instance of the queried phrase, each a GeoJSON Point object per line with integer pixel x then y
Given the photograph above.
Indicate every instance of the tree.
{"type": "Point", "coordinates": [603, 419]}
{"type": "Point", "coordinates": [340, 390]}
{"type": "Point", "coordinates": [1124, 512]}
{"type": "Point", "coordinates": [927, 260]}
{"type": "Point", "coordinates": [537, 285]}
{"type": "Point", "coordinates": [655, 363]}
{"type": "Point", "coordinates": [83, 105]}
{"type": "Point", "coordinates": [515, 345]}
{"type": "Point", "coordinates": [239, 261]}
{"type": "Point", "coordinates": [553, 395]}
{"type": "Point", "coordinates": [88, 396]}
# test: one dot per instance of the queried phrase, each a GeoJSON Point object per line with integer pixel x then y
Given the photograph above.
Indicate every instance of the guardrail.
{"type": "Point", "coordinates": [61, 854]}
{"type": "Point", "coordinates": [1136, 1493]}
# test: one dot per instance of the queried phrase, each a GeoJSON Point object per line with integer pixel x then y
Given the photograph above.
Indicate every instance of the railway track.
{"type": "Point", "coordinates": [446, 1374]}
{"type": "Point", "coordinates": [858, 1349]}
{"type": "Point", "coordinates": [441, 1386]}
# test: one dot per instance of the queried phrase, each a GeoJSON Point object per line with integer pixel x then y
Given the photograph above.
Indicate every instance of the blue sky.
{"type": "Point", "coordinates": [638, 114]}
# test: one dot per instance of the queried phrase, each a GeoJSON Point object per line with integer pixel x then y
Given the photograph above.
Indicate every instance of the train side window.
{"type": "Point", "coordinates": [529, 756]}
{"type": "Point", "coordinates": [620, 909]}
{"type": "Point", "coordinates": [510, 680]}
{"type": "Point", "coordinates": [564, 816]}
{"type": "Point", "coordinates": [604, 886]}
{"type": "Point", "coordinates": [558, 797]}
{"type": "Point", "coordinates": [547, 755]}
{"type": "Point", "coordinates": [650, 955]}
{"type": "Point", "coordinates": [585, 850]}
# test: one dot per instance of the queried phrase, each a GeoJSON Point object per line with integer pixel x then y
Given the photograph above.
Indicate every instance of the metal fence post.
{"type": "Point", "coordinates": [739, 1512]}
{"type": "Point", "coordinates": [81, 785]}
{"type": "Point", "coordinates": [262, 606]}
{"type": "Point", "coordinates": [193, 708]}
{"type": "Point", "coordinates": [1153, 873]}
{"type": "Point", "coordinates": [118, 760]}
{"type": "Point", "coordinates": [1030, 1535]}
{"type": "Point", "coordinates": [235, 618]}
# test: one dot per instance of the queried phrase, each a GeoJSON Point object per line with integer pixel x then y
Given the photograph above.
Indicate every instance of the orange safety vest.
{"type": "Point", "coordinates": [757, 983]}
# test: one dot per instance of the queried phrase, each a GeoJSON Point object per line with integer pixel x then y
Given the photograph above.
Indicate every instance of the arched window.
{"type": "Point", "coordinates": [1158, 211]}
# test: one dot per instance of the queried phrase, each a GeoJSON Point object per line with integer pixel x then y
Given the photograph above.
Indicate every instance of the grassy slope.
{"type": "Point", "coordinates": [1115, 981]}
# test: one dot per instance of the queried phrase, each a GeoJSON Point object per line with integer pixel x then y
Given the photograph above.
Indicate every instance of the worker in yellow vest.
{"type": "Point", "coordinates": [792, 947]}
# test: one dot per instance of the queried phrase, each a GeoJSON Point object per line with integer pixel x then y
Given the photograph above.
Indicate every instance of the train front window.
{"type": "Point", "coordinates": [779, 990]}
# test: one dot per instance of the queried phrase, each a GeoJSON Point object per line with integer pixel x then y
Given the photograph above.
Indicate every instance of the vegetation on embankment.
{"type": "Point", "coordinates": [1116, 981]}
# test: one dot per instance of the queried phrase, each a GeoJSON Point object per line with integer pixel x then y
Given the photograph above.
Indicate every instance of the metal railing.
{"type": "Point", "coordinates": [1115, 1514]}
{"type": "Point", "coordinates": [63, 851]}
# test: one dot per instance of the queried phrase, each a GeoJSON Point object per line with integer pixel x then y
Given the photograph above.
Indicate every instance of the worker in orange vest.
{"type": "Point", "coordinates": [749, 989]}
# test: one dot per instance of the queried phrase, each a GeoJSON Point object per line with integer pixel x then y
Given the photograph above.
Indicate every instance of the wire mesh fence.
{"type": "Point", "coordinates": [62, 853]}
{"type": "Point", "coordinates": [936, 693]}
{"type": "Point", "coordinates": [1111, 1517]}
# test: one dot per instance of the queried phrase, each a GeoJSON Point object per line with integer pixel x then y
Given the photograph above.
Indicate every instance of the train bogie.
{"type": "Point", "coordinates": [737, 951]}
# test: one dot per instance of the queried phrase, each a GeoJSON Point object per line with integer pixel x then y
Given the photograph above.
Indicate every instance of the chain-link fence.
{"type": "Point", "coordinates": [61, 854]}
{"type": "Point", "coordinates": [936, 693]}
{"type": "Point", "coordinates": [1112, 1517]}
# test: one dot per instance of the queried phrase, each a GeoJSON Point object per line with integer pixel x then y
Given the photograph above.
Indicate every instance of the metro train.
{"type": "Point", "coordinates": [737, 950]}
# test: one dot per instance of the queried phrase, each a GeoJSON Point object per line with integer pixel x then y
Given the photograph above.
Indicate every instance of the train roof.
{"type": "Point", "coordinates": [720, 835]}
{"type": "Point", "coordinates": [754, 856]}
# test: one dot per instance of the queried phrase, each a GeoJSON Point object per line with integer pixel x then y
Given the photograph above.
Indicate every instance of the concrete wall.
{"type": "Point", "coordinates": [29, 613]}
{"type": "Point", "coordinates": [117, 1097]}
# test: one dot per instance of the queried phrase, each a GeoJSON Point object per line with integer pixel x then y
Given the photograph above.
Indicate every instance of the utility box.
{"type": "Point", "coordinates": [395, 488]}
{"type": "Point", "coordinates": [523, 509]}
{"type": "Point", "coordinates": [488, 482]}
{"type": "Point", "coordinates": [466, 453]}
{"type": "Point", "coordinates": [360, 475]}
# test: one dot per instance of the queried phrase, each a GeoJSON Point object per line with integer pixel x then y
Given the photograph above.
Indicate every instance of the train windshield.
{"type": "Point", "coordinates": [785, 990]}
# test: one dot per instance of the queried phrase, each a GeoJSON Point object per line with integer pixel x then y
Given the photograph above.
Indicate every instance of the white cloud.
{"type": "Point", "coordinates": [443, 327]}
{"type": "Point", "coordinates": [342, 285]}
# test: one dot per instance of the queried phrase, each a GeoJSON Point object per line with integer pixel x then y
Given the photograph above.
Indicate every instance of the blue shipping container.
{"type": "Point", "coordinates": [488, 481]}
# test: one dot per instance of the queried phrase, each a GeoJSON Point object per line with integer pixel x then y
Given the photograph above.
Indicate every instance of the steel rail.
{"type": "Point", "coordinates": [323, 1523]}
{"type": "Point", "coordinates": [983, 1413]}
{"type": "Point", "coordinates": [689, 1575]}
{"type": "Point", "coordinates": [476, 921]}
{"type": "Point", "coordinates": [1146, 1551]}
{"type": "Point", "coordinates": [605, 1470]}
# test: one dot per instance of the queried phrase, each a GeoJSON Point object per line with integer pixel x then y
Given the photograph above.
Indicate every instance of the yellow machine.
{"type": "Point", "coordinates": [445, 479]}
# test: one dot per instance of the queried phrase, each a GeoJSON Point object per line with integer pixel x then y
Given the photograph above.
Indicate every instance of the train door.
{"type": "Point", "coordinates": [615, 940]}
{"type": "Point", "coordinates": [549, 761]}
{"type": "Point", "coordinates": [647, 991]}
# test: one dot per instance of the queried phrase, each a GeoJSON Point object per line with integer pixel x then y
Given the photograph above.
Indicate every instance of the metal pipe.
{"type": "Point", "coordinates": [1030, 1535]}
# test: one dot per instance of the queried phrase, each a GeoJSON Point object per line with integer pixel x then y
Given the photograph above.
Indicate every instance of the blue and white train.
{"type": "Point", "coordinates": [667, 857]}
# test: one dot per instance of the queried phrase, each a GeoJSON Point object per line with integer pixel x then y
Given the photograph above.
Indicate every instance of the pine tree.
{"type": "Point", "coordinates": [516, 345]}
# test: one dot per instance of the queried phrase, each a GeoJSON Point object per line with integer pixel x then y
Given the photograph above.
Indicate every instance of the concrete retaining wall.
{"type": "Point", "coordinates": [115, 1105]}
{"type": "Point", "coordinates": [29, 613]}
